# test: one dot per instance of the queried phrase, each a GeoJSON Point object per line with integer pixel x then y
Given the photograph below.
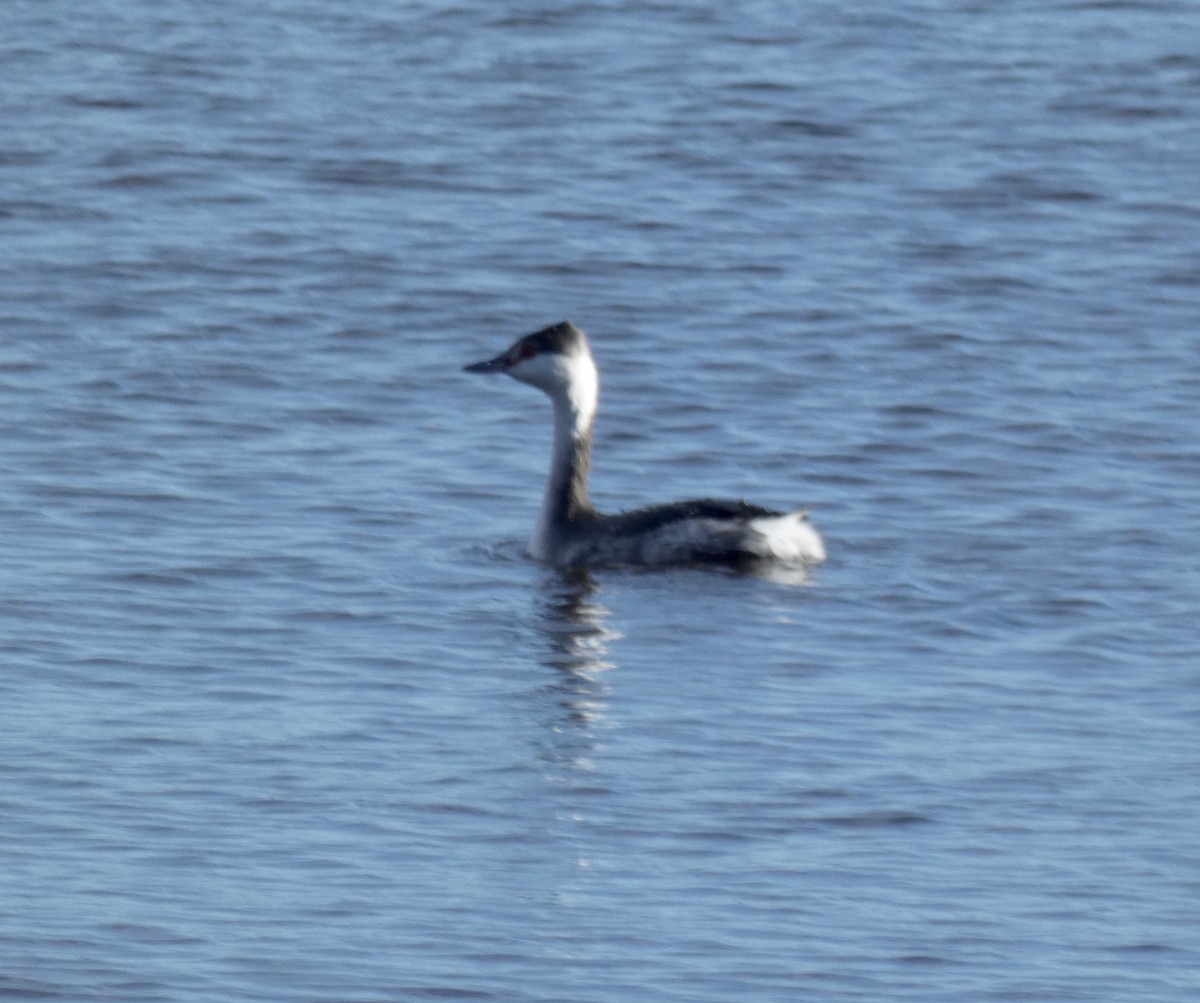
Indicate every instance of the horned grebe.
{"type": "Point", "coordinates": [570, 533]}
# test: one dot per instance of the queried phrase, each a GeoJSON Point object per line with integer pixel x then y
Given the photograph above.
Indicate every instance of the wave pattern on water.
{"type": "Point", "coordinates": [289, 714]}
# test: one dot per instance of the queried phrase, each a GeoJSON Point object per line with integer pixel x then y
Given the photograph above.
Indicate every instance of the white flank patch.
{"type": "Point", "coordinates": [790, 537]}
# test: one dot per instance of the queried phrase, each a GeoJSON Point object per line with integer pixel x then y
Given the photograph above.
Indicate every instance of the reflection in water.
{"type": "Point", "coordinates": [576, 648]}
{"type": "Point", "coordinates": [574, 705]}
{"type": "Point", "coordinates": [572, 625]}
{"type": "Point", "coordinates": [781, 572]}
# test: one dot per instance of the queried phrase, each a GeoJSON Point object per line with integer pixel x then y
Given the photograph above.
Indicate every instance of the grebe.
{"type": "Point", "coordinates": [570, 533]}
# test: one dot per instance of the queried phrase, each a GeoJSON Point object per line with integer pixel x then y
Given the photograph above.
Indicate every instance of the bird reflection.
{"type": "Point", "coordinates": [573, 626]}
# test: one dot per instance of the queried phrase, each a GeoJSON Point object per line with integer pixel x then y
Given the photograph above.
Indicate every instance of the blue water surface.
{"type": "Point", "coordinates": [287, 712]}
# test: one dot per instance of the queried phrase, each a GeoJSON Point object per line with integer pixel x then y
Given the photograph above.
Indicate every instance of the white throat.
{"type": "Point", "coordinates": [570, 381]}
{"type": "Point", "coordinates": [580, 395]}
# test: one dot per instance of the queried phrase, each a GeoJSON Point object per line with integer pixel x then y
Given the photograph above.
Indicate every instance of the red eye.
{"type": "Point", "coordinates": [527, 352]}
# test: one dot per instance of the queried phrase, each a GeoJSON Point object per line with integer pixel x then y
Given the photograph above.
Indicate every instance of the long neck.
{"type": "Point", "coordinates": [566, 498]}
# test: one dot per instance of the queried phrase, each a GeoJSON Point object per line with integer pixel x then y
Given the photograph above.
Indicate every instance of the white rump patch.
{"type": "Point", "coordinates": [790, 537]}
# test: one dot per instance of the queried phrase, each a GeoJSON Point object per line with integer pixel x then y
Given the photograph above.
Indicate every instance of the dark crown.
{"type": "Point", "coordinates": [563, 337]}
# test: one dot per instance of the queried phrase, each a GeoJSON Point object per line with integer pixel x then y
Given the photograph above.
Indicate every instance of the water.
{"type": "Point", "coordinates": [288, 715]}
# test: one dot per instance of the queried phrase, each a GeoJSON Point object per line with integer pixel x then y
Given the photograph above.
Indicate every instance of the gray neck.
{"type": "Point", "coordinates": [566, 502]}
{"type": "Point", "coordinates": [571, 462]}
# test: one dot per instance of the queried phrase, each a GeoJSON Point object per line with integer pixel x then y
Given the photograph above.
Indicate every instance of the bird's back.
{"type": "Point", "coordinates": [705, 530]}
